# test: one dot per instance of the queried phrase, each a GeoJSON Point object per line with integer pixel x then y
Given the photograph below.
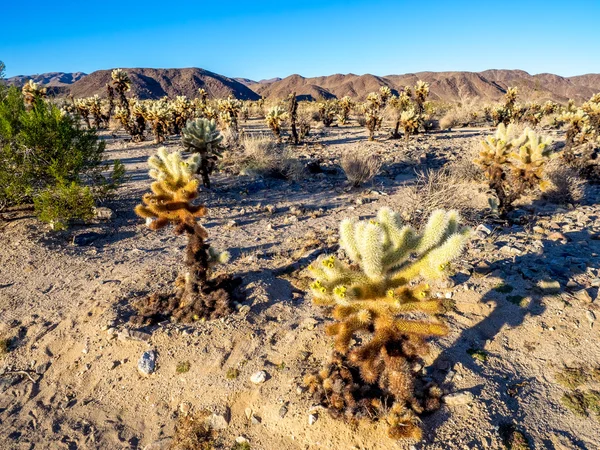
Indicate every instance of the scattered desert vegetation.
{"type": "Point", "coordinates": [453, 272]}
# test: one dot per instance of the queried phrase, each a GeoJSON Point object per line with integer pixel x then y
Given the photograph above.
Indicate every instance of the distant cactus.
{"type": "Point", "coordinates": [345, 105]}
{"type": "Point", "coordinates": [376, 296]}
{"type": "Point", "coordinates": [293, 115]}
{"type": "Point", "coordinates": [33, 92]}
{"type": "Point", "coordinates": [385, 93]}
{"type": "Point", "coordinates": [399, 104]}
{"type": "Point", "coordinates": [160, 116]}
{"type": "Point", "coordinates": [410, 121]}
{"type": "Point", "coordinates": [230, 108]}
{"type": "Point", "coordinates": [421, 94]}
{"type": "Point", "coordinates": [514, 164]}
{"type": "Point", "coordinates": [274, 119]}
{"type": "Point", "coordinates": [174, 189]}
{"type": "Point", "coordinates": [327, 111]}
{"type": "Point", "coordinates": [202, 136]}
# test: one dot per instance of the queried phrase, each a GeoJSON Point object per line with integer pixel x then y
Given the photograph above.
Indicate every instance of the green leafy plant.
{"type": "Point", "coordinates": [376, 295]}
{"type": "Point", "coordinates": [60, 204]}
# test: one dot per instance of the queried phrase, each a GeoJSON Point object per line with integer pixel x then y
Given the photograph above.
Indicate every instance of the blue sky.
{"type": "Point", "coordinates": [264, 39]}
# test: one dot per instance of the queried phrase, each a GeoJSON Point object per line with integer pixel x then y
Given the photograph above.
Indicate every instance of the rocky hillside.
{"type": "Point", "coordinates": [50, 79]}
{"type": "Point", "coordinates": [489, 85]}
{"type": "Point", "coordinates": [156, 83]}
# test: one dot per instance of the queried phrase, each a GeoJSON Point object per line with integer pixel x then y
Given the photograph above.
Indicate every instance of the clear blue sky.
{"type": "Point", "coordinates": [264, 39]}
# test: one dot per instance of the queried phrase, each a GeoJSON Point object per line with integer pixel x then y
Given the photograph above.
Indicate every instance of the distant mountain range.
{"type": "Point", "coordinates": [488, 85]}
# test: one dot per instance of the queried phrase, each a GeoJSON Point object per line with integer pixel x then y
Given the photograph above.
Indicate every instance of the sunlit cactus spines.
{"type": "Point", "coordinates": [385, 93]}
{"type": "Point", "coordinates": [160, 116]}
{"type": "Point", "coordinates": [230, 110]}
{"type": "Point", "coordinates": [376, 295]}
{"type": "Point", "coordinates": [421, 94]}
{"type": "Point", "coordinates": [514, 164]}
{"type": "Point", "coordinates": [327, 111]}
{"type": "Point", "coordinates": [33, 92]}
{"type": "Point", "coordinates": [120, 80]}
{"type": "Point", "coordinates": [275, 118]}
{"type": "Point", "coordinates": [345, 105]}
{"type": "Point", "coordinates": [410, 121]}
{"type": "Point", "coordinates": [203, 137]}
{"type": "Point", "coordinates": [174, 188]}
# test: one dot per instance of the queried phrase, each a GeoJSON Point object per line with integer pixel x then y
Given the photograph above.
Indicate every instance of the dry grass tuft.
{"type": "Point", "coordinates": [438, 190]}
{"type": "Point", "coordinates": [360, 167]}
{"type": "Point", "coordinates": [262, 155]}
{"type": "Point", "coordinates": [463, 168]}
{"type": "Point", "coordinates": [566, 184]}
{"type": "Point", "coordinates": [193, 433]}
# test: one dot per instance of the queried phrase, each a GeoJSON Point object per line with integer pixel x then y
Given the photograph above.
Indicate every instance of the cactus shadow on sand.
{"type": "Point", "coordinates": [528, 269]}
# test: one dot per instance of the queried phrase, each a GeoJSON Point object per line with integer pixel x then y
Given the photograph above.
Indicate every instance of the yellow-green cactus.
{"type": "Point", "coordinates": [275, 118]}
{"type": "Point", "coordinates": [202, 136]}
{"type": "Point", "coordinates": [383, 294]}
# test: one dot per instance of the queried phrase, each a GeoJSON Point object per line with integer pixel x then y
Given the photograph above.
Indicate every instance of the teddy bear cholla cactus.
{"type": "Point", "coordinates": [160, 116]}
{"type": "Point", "coordinates": [345, 105]}
{"type": "Point", "coordinates": [32, 91]}
{"type": "Point", "coordinates": [202, 136]}
{"type": "Point", "coordinates": [275, 118]}
{"type": "Point", "coordinates": [173, 191]}
{"type": "Point", "coordinates": [514, 164]}
{"type": "Point", "coordinates": [379, 296]}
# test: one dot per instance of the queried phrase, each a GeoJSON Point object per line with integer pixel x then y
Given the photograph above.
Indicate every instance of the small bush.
{"type": "Point", "coordinates": [192, 432]}
{"type": "Point", "coordinates": [42, 149]}
{"type": "Point", "coordinates": [265, 157]}
{"type": "Point", "coordinates": [62, 203]}
{"type": "Point", "coordinates": [360, 167]}
{"type": "Point", "coordinates": [565, 184]}
{"type": "Point", "coordinates": [438, 190]}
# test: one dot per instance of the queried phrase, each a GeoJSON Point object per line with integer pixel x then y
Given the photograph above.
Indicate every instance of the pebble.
{"type": "Point", "coordinates": [309, 323]}
{"type": "Point", "coordinates": [147, 363]}
{"type": "Point", "coordinates": [217, 422]}
{"type": "Point", "coordinates": [87, 238]}
{"type": "Point", "coordinates": [583, 295]}
{"type": "Point", "coordinates": [103, 213]}
{"type": "Point", "coordinates": [459, 398]}
{"type": "Point", "coordinates": [283, 411]}
{"type": "Point", "coordinates": [259, 377]}
{"type": "Point", "coordinates": [591, 317]}
{"type": "Point", "coordinates": [312, 418]}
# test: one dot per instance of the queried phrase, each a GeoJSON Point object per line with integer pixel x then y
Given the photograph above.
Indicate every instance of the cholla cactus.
{"type": "Point", "coordinates": [376, 296]}
{"type": "Point", "coordinates": [327, 111]}
{"type": "Point", "coordinates": [513, 164]}
{"type": "Point", "coordinates": [410, 121]}
{"type": "Point", "coordinates": [83, 109]}
{"type": "Point", "coordinates": [345, 105]}
{"type": "Point", "coordinates": [399, 104]}
{"type": "Point", "coordinates": [274, 119]}
{"type": "Point", "coordinates": [202, 136]}
{"type": "Point", "coordinates": [229, 107]}
{"type": "Point", "coordinates": [33, 92]}
{"type": "Point", "coordinates": [182, 111]}
{"type": "Point", "coordinates": [385, 93]}
{"type": "Point", "coordinates": [174, 189]}
{"type": "Point", "coordinates": [160, 116]}
{"type": "Point", "coordinates": [421, 94]}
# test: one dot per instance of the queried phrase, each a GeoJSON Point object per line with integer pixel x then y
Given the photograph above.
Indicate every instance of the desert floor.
{"type": "Point", "coordinates": [71, 380]}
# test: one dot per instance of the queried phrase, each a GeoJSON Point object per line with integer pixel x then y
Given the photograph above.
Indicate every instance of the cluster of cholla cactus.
{"type": "Point", "coordinates": [130, 113]}
{"type": "Point", "coordinates": [94, 108]}
{"type": "Point", "coordinates": [373, 113]}
{"type": "Point", "coordinates": [197, 297]}
{"type": "Point", "coordinates": [275, 118]}
{"type": "Point", "coordinates": [514, 164]}
{"type": "Point", "coordinates": [506, 113]}
{"type": "Point", "coordinates": [383, 295]}
{"type": "Point", "coordinates": [201, 136]}
{"type": "Point", "coordinates": [399, 104]}
{"type": "Point", "coordinates": [33, 92]}
{"type": "Point", "coordinates": [229, 110]}
{"type": "Point", "coordinates": [160, 116]}
{"type": "Point", "coordinates": [327, 110]}
{"type": "Point", "coordinates": [345, 105]}
{"type": "Point", "coordinates": [582, 145]}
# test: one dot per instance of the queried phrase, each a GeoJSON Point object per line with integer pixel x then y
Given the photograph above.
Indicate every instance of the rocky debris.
{"type": "Point", "coordinates": [259, 377]}
{"type": "Point", "coordinates": [312, 418]}
{"type": "Point", "coordinates": [217, 422]}
{"type": "Point", "coordinates": [103, 213]}
{"type": "Point", "coordinates": [86, 238]}
{"type": "Point", "coordinates": [458, 398]}
{"type": "Point", "coordinates": [283, 410]}
{"type": "Point", "coordinates": [147, 363]}
{"type": "Point", "coordinates": [160, 444]}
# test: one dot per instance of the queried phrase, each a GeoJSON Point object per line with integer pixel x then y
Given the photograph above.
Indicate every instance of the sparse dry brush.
{"type": "Point", "coordinates": [360, 166]}
{"type": "Point", "coordinates": [196, 297]}
{"type": "Point", "coordinates": [377, 296]}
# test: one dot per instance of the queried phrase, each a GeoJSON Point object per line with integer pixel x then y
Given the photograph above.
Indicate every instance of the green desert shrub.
{"type": "Point", "coordinates": [59, 204]}
{"type": "Point", "coordinates": [42, 149]}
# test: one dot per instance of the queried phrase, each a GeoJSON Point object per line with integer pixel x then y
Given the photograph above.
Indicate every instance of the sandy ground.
{"type": "Point", "coordinates": [71, 380]}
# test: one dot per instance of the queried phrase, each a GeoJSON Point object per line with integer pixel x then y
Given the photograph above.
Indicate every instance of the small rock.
{"type": "Point", "coordinates": [103, 213]}
{"type": "Point", "coordinates": [259, 377]}
{"type": "Point", "coordinates": [557, 236]}
{"type": "Point", "coordinates": [549, 286]}
{"type": "Point", "coordinates": [248, 413]}
{"type": "Point", "coordinates": [486, 229]}
{"type": "Point", "coordinates": [217, 422]}
{"type": "Point", "coordinates": [309, 323]}
{"type": "Point", "coordinates": [87, 238]}
{"type": "Point", "coordinates": [583, 295]}
{"type": "Point", "coordinates": [459, 398]}
{"type": "Point", "coordinates": [255, 420]}
{"type": "Point", "coordinates": [591, 317]}
{"type": "Point", "coordinates": [140, 336]}
{"type": "Point", "coordinates": [147, 363]}
{"type": "Point", "coordinates": [231, 224]}
{"type": "Point", "coordinates": [312, 418]}
{"type": "Point", "coordinates": [283, 411]}
{"type": "Point", "coordinates": [161, 444]}
{"type": "Point", "coordinates": [241, 440]}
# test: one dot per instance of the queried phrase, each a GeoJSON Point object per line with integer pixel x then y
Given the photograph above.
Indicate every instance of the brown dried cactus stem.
{"type": "Point", "coordinates": [293, 111]}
